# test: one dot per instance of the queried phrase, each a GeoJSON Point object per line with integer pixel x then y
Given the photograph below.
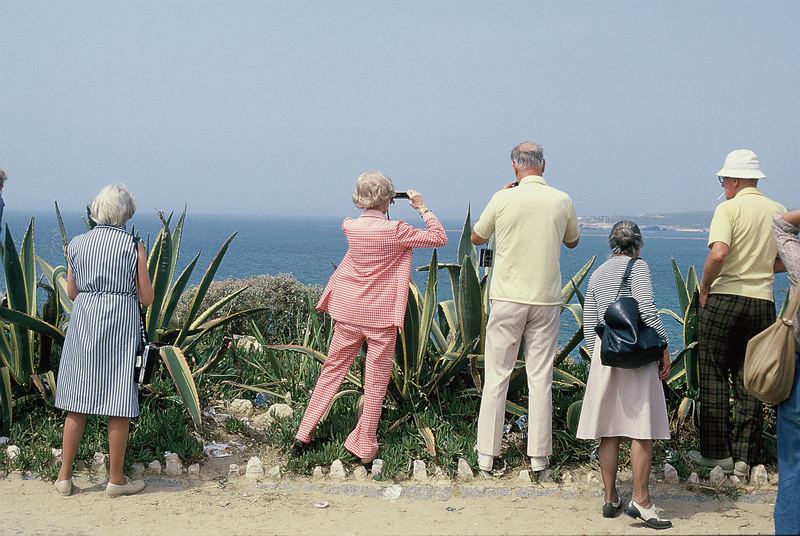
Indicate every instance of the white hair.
{"type": "Point", "coordinates": [373, 189]}
{"type": "Point", "coordinates": [114, 205]}
{"type": "Point", "coordinates": [3, 177]}
{"type": "Point", "coordinates": [527, 155]}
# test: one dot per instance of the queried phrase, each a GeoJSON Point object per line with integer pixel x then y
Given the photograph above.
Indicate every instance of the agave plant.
{"type": "Point", "coordinates": [23, 331]}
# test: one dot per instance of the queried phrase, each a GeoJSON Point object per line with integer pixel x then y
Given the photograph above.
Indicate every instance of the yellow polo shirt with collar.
{"type": "Point", "coordinates": [529, 222]}
{"type": "Point", "coordinates": [744, 223]}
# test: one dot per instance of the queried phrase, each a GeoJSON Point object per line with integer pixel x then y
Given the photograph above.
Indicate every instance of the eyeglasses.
{"type": "Point", "coordinates": [721, 179]}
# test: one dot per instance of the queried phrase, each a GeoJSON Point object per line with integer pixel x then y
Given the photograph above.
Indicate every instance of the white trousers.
{"type": "Point", "coordinates": [510, 323]}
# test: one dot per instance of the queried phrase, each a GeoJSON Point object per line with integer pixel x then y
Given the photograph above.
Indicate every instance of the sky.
{"type": "Point", "coordinates": [275, 108]}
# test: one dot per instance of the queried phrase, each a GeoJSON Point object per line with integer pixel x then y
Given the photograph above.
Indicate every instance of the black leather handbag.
{"type": "Point", "coordinates": [626, 341]}
{"type": "Point", "coordinates": [148, 354]}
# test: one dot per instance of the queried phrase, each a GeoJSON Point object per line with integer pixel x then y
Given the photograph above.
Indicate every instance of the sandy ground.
{"type": "Point", "coordinates": [176, 507]}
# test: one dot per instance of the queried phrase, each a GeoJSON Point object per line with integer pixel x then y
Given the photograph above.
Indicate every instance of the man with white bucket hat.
{"type": "Point", "coordinates": [736, 304]}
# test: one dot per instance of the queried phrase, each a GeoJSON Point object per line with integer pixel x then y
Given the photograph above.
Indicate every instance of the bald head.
{"type": "Point", "coordinates": [528, 158]}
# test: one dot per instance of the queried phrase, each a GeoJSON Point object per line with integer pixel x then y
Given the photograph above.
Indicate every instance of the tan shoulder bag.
{"type": "Point", "coordinates": [769, 361]}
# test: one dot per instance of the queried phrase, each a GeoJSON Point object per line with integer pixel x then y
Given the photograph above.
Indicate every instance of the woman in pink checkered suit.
{"type": "Point", "coordinates": [367, 296]}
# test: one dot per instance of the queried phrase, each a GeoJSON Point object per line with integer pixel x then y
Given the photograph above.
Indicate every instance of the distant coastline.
{"type": "Point", "coordinates": [681, 222]}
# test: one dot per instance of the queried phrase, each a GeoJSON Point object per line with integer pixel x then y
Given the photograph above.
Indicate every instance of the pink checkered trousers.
{"type": "Point", "coordinates": [367, 297]}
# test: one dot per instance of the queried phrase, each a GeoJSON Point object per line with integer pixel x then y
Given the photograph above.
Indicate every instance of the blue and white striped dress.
{"type": "Point", "coordinates": [95, 375]}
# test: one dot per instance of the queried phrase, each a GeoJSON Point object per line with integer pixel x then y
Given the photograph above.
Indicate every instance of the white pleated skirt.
{"type": "Point", "coordinates": [623, 402]}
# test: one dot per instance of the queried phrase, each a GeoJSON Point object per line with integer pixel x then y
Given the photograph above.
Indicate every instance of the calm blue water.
{"type": "Point", "coordinates": [308, 248]}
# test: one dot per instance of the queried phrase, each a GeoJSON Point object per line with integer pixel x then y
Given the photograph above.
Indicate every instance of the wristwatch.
{"type": "Point", "coordinates": [423, 210]}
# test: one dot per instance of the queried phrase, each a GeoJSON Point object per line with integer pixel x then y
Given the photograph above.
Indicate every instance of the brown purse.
{"type": "Point", "coordinates": [770, 359]}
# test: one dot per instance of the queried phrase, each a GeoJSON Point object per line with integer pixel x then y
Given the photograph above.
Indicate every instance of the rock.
{"type": "Point", "coordinates": [392, 493]}
{"type": "Point", "coordinates": [99, 467]}
{"type": "Point", "coordinates": [439, 474]}
{"type": "Point", "coordinates": [221, 418]}
{"type": "Point", "coordinates": [377, 469]}
{"type": "Point", "coordinates": [154, 467]}
{"type": "Point", "coordinates": [55, 455]}
{"type": "Point", "coordinates": [174, 465]}
{"type": "Point", "coordinates": [736, 481]}
{"type": "Point", "coordinates": [280, 411]}
{"type": "Point", "coordinates": [247, 342]}
{"type": "Point", "coordinates": [624, 476]}
{"type": "Point", "coordinates": [693, 479]}
{"type": "Point", "coordinates": [337, 471]}
{"type": "Point", "coordinates": [3, 440]}
{"type": "Point", "coordinates": [591, 477]}
{"type": "Point", "coordinates": [193, 471]}
{"type": "Point", "coordinates": [262, 421]}
{"type": "Point", "coordinates": [671, 474]}
{"type": "Point", "coordinates": [464, 472]}
{"type": "Point", "coordinates": [254, 469]}
{"type": "Point", "coordinates": [568, 478]}
{"type": "Point", "coordinates": [758, 476]}
{"type": "Point", "coordinates": [12, 451]}
{"type": "Point", "coordinates": [524, 476]}
{"type": "Point", "coordinates": [274, 474]}
{"type": "Point", "coordinates": [233, 471]}
{"type": "Point", "coordinates": [420, 472]}
{"type": "Point", "coordinates": [545, 476]}
{"type": "Point", "coordinates": [717, 475]}
{"type": "Point", "coordinates": [360, 473]}
{"type": "Point", "coordinates": [240, 407]}
{"type": "Point", "coordinates": [137, 469]}
{"type": "Point", "coordinates": [318, 474]}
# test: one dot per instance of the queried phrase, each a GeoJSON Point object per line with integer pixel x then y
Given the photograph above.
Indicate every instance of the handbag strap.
{"type": "Point", "coordinates": [142, 319]}
{"type": "Point", "coordinates": [625, 277]}
{"type": "Point", "coordinates": [790, 313]}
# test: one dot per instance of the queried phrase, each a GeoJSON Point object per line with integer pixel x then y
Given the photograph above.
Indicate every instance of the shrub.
{"type": "Point", "coordinates": [287, 301]}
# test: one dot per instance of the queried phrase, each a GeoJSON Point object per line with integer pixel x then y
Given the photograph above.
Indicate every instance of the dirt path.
{"type": "Point", "coordinates": [198, 508]}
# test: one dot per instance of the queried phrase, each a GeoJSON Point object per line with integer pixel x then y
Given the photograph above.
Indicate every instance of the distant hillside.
{"type": "Point", "coordinates": [668, 220]}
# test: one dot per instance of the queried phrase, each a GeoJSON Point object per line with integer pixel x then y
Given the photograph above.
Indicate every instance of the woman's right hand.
{"type": "Point", "coordinates": [415, 200]}
{"type": "Point", "coordinates": [664, 365]}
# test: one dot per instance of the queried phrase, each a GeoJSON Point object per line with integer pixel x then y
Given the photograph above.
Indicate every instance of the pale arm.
{"type": "Point", "coordinates": [72, 288]}
{"type": "Point", "coordinates": [712, 268]}
{"type": "Point", "coordinates": [143, 286]}
{"type": "Point", "coordinates": [477, 239]}
{"type": "Point", "coordinates": [573, 244]}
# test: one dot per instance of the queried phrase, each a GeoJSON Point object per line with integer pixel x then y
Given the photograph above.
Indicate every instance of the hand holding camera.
{"type": "Point", "coordinates": [415, 199]}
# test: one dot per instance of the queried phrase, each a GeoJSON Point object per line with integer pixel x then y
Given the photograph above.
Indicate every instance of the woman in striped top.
{"type": "Point", "coordinates": [107, 278]}
{"type": "Point", "coordinates": [624, 403]}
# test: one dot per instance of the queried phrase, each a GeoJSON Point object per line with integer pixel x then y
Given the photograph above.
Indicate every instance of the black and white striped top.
{"type": "Point", "coordinates": [602, 292]}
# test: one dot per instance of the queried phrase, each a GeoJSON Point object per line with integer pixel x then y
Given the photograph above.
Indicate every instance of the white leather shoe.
{"type": "Point", "coordinates": [648, 515]}
{"type": "Point", "coordinates": [130, 488]}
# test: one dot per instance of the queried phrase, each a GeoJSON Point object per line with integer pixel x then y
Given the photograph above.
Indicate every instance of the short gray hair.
{"type": "Point", "coordinates": [527, 155]}
{"type": "Point", "coordinates": [625, 238]}
{"type": "Point", "coordinates": [3, 177]}
{"type": "Point", "coordinates": [373, 189]}
{"type": "Point", "coordinates": [114, 205]}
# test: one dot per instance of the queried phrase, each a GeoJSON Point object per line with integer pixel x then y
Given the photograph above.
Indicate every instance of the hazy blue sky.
{"type": "Point", "coordinates": [276, 107]}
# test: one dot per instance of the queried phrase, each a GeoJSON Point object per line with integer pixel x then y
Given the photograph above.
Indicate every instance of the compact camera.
{"type": "Point", "coordinates": [486, 258]}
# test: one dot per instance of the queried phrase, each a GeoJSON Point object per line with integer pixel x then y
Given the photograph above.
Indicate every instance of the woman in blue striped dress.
{"type": "Point", "coordinates": [624, 403]}
{"type": "Point", "coordinates": [106, 277]}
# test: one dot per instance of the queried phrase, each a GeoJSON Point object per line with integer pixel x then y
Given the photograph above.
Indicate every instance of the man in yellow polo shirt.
{"type": "Point", "coordinates": [737, 304]}
{"type": "Point", "coordinates": [530, 221]}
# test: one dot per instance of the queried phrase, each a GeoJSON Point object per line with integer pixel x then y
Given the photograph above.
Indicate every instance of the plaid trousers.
{"type": "Point", "coordinates": [346, 342]}
{"type": "Point", "coordinates": [727, 323]}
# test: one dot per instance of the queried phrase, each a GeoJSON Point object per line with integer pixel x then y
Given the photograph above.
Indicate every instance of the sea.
{"type": "Point", "coordinates": [309, 248]}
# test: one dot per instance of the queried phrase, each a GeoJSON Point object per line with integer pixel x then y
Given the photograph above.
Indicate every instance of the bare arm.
{"type": "Point", "coordinates": [477, 239]}
{"type": "Point", "coordinates": [572, 245]}
{"type": "Point", "coordinates": [72, 288]}
{"type": "Point", "coordinates": [143, 286]}
{"type": "Point", "coordinates": [712, 268]}
{"type": "Point", "coordinates": [793, 217]}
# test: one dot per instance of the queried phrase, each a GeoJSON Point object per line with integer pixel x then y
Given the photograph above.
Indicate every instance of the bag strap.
{"type": "Point", "coordinates": [142, 319]}
{"type": "Point", "coordinates": [625, 277]}
{"type": "Point", "coordinates": [790, 314]}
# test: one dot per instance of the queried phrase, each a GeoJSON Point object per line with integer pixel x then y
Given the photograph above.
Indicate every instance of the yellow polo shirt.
{"type": "Point", "coordinates": [529, 223]}
{"type": "Point", "coordinates": [744, 223]}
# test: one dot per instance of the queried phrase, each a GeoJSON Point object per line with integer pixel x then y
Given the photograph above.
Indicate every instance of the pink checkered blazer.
{"type": "Point", "coordinates": [370, 285]}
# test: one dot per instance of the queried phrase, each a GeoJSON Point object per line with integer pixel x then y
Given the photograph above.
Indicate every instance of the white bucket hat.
{"type": "Point", "coordinates": [741, 164]}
